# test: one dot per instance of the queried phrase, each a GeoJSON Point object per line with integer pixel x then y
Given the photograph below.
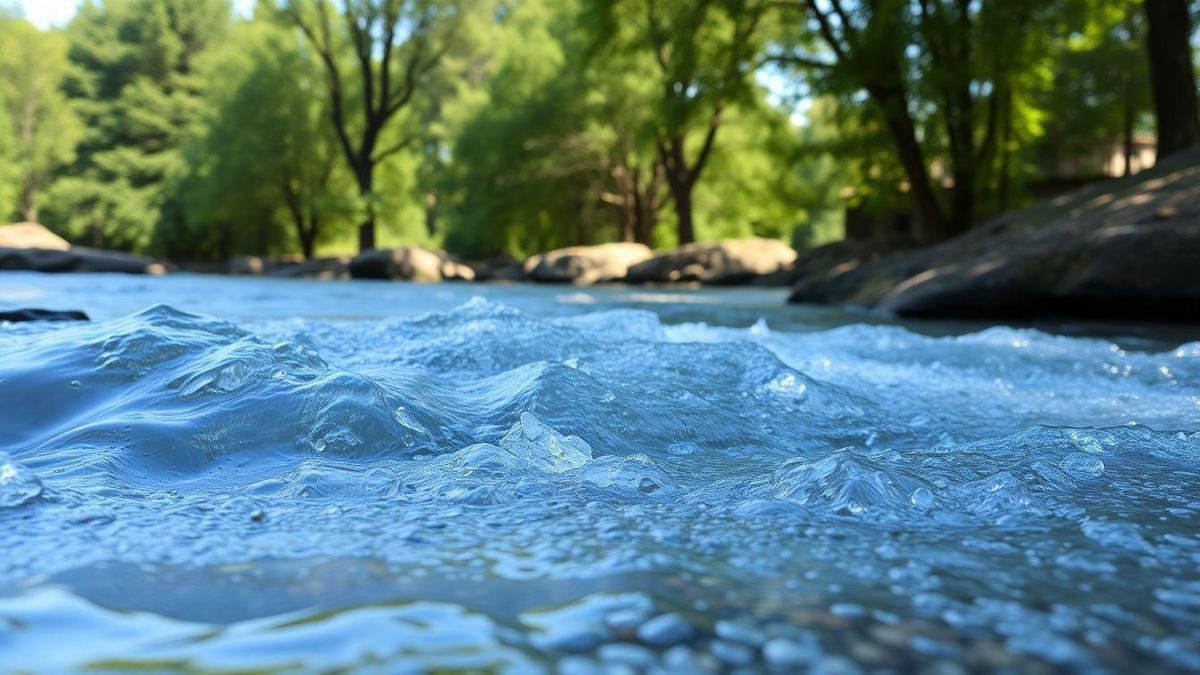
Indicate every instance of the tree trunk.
{"type": "Point", "coordinates": [366, 229]}
{"type": "Point", "coordinates": [431, 213]}
{"type": "Point", "coordinates": [308, 242]}
{"type": "Point", "coordinates": [1127, 132]}
{"type": "Point", "coordinates": [930, 224]}
{"type": "Point", "coordinates": [1172, 75]}
{"type": "Point", "coordinates": [681, 195]}
{"type": "Point", "coordinates": [30, 212]}
{"type": "Point", "coordinates": [962, 201]}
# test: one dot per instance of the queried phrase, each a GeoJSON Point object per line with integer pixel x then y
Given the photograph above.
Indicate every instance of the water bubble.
{"type": "Point", "coordinates": [18, 485]}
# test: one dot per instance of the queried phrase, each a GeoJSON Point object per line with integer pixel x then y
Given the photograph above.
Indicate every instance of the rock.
{"type": "Point", "coordinates": [247, 265]}
{"type": "Point", "coordinates": [578, 665]}
{"type": "Point", "coordinates": [740, 633]}
{"type": "Point", "coordinates": [625, 620]}
{"type": "Point", "coordinates": [31, 235]}
{"type": "Point", "coordinates": [665, 630]}
{"type": "Point", "coordinates": [583, 265]}
{"type": "Point", "coordinates": [408, 263]}
{"type": "Point", "coordinates": [1122, 249]}
{"type": "Point", "coordinates": [77, 259]}
{"type": "Point", "coordinates": [572, 639]}
{"type": "Point", "coordinates": [501, 268]}
{"type": "Point", "coordinates": [35, 314]}
{"type": "Point", "coordinates": [784, 652]}
{"type": "Point", "coordinates": [253, 265]}
{"type": "Point", "coordinates": [729, 261]}
{"type": "Point", "coordinates": [731, 653]}
{"type": "Point", "coordinates": [627, 654]}
{"type": "Point", "coordinates": [337, 267]}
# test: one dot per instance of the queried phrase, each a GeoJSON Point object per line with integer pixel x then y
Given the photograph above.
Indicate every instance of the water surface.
{"type": "Point", "coordinates": [240, 474]}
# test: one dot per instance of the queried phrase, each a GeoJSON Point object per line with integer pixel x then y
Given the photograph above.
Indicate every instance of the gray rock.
{"type": "Point", "coordinates": [578, 665]}
{"type": "Point", "coordinates": [77, 259]}
{"type": "Point", "coordinates": [571, 639]}
{"type": "Point", "coordinates": [744, 634]}
{"type": "Point", "coordinates": [665, 630]}
{"type": "Point", "coordinates": [786, 652]}
{"type": "Point", "coordinates": [35, 314]}
{"type": "Point", "coordinates": [625, 620]}
{"type": "Point", "coordinates": [1122, 249]}
{"type": "Point", "coordinates": [731, 653]}
{"type": "Point", "coordinates": [627, 654]}
{"type": "Point", "coordinates": [409, 263]}
{"type": "Point", "coordinates": [729, 261]}
{"type": "Point", "coordinates": [583, 265]}
{"type": "Point", "coordinates": [336, 267]}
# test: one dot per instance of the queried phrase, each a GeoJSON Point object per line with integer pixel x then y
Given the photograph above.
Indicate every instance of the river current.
{"type": "Point", "coordinates": [222, 474]}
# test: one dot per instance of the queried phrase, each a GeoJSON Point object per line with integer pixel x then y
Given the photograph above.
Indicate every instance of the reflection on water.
{"type": "Point", "coordinates": [261, 475]}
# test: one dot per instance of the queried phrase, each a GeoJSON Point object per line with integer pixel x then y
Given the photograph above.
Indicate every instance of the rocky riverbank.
{"type": "Point", "coordinates": [1123, 249]}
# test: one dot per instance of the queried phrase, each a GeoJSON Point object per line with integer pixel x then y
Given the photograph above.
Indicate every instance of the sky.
{"type": "Point", "coordinates": [45, 13]}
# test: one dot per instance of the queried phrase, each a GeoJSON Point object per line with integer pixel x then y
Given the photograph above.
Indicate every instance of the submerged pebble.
{"type": "Point", "coordinates": [665, 630]}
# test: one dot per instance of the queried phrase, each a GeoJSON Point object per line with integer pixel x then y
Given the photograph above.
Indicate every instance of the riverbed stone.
{"type": "Point", "coordinates": [786, 652]}
{"type": "Point", "coordinates": [729, 261]}
{"type": "Point", "coordinates": [628, 654]}
{"type": "Point", "coordinates": [731, 653]}
{"type": "Point", "coordinates": [741, 633]}
{"type": "Point", "coordinates": [665, 630]}
{"type": "Point", "coordinates": [584, 265]}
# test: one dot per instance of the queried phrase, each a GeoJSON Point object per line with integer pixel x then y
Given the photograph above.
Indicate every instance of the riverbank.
{"type": "Point", "coordinates": [1126, 248]}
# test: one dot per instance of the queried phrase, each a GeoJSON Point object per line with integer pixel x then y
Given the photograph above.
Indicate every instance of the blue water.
{"type": "Point", "coordinates": [275, 475]}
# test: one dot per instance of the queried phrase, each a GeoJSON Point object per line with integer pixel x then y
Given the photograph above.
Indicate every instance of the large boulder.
{"type": "Point", "coordinates": [409, 263]}
{"type": "Point", "coordinates": [500, 268]}
{"type": "Point", "coordinates": [254, 265]}
{"type": "Point", "coordinates": [1122, 249]}
{"type": "Point", "coordinates": [729, 261]}
{"type": "Point", "coordinates": [1143, 271]}
{"type": "Point", "coordinates": [582, 265]}
{"type": "Point", "coordinates": [31, 235]}
{"type": "Point", "coordinates": [77, 259]}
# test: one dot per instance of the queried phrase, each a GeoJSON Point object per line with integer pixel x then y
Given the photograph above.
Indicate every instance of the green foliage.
{"type": "Point", "coordinates": [135, 85]}
{"type": "Point", "coordinates": [265, 172]}
{"type": "Point", "coordinates": [40, 127]}
{"type": "Point", "coordinates": [514, 126]}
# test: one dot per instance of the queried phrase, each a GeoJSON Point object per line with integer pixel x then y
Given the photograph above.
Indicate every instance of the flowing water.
{"type": "Point", "coordinates": [284, 476]}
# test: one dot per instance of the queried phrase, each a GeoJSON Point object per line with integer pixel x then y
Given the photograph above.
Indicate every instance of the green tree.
{"type": "Point", "coordinates": [706, 52]}
{"type": "Point", "coordinates": [43, 128]}
{"type": "Point", "coordinates": [942, 75]}
{"type": "Point", "coordinates": [375, 59]}
{"type": "Point", "coordinates": [263, 160]}
{"type": "Point", "coordinates": [134, 84]}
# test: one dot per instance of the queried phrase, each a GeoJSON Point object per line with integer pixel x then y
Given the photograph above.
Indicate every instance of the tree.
{"type": "Point", "coordinates": [1172, 75]}
{"type": "Point", "coordinates": [705, 52]}
{"type": "Point", "coordinates": [395, 44]}
{"type": "Point", "coordinates": [952, 63]}
{"type": "Point", "coordinates": [263, 158]}
{"type": "Point", "coordinates": [134, 84]}
{"type": "Point", "coordinates": [44, 128]}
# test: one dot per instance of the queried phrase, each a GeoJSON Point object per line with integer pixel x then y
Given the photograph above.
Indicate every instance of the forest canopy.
{"type": "Point", "coordinates": [507, 127]}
